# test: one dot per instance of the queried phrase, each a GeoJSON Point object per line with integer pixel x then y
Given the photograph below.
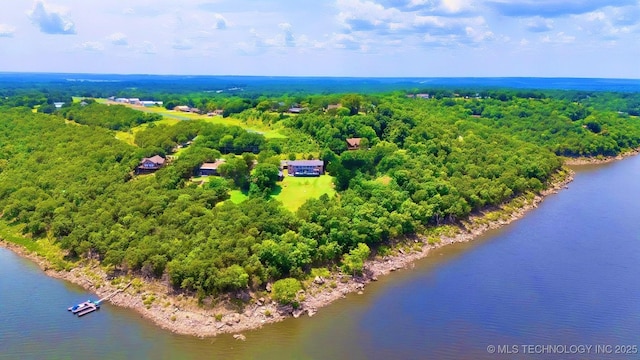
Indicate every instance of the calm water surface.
{"type": "Point", "coordinates": [565, 274]}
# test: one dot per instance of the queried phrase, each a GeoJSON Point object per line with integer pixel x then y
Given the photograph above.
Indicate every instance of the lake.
{"type": "Point", "coordinates": [566, 274]}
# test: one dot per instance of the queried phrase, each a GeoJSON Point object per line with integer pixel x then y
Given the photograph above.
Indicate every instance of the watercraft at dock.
{"type": "Point", "coordinates": [84, 308]}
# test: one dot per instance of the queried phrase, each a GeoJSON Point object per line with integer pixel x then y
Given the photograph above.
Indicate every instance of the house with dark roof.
{"type": "Point", "coordinates": [208, 169]}
{"type": "Point", "coordinates": [353, 143]}
{"type": "Point", "coordinates": [149, 165]}
{"type": "Point", "coordinates": [296, 110]}
{"type": "Point", "coordinates": [217, 112]}
{"type": "Point", "coordinates": [183, 108]}
{"type": "Point", "coordinates": [305, 167]}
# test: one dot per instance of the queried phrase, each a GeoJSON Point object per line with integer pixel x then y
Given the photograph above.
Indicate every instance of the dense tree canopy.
{"type": "Point", "coordinates": [114, 117]}
{"type": "Point", "coordinates": [421, 163]}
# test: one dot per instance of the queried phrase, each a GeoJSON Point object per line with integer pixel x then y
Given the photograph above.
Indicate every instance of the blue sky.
{"type": "Point", "coordinates": [422, 38]}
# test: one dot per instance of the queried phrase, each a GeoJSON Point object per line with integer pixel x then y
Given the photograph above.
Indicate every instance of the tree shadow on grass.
{"type": "Point", "coordinates": [276, 190]}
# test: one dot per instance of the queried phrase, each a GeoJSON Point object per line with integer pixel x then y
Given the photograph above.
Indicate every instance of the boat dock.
{"type": "Point", "coordinates": [85, 308]}
{"type": "Point", "coordinates": [90, 306]}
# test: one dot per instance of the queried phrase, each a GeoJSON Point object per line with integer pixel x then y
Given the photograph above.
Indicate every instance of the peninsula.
{"type": "Point", "coordinates": [221, 212]}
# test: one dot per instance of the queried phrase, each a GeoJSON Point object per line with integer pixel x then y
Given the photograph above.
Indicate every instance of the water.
{"type": "Point", "coordinates": [566, 274]}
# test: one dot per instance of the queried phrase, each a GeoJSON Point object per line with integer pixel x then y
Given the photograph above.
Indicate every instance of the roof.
{"type": "Point", "coordinates": [212, 166]}
{"type": "Point", "coordinates": [157, 159]}
{"type": "Point", "coordinates": [354, 142]}
{"type": "Point", "coordinates": [306, 163]}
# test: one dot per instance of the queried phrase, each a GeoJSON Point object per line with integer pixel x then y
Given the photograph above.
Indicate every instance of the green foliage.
{"type": "Point", "coordinates": [353, 262]}
{"type": "Point", "coordinates": [237, 170]}
{"type": "Point", "coordinates": [423, 163]}
{"type": "Point", "coordinates": [265, 176]}
{"type": "Point", "coordinates": [352, 102]}
{"type": "Point", "coordinates": [285, 291]}
{"type": "Point", "coordinates": [114, 117]}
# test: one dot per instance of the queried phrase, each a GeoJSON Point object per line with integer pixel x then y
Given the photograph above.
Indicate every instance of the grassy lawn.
{"type": "Point", "coordinates": [126, 137]}
{"type": "Point", "coordinates": [296, 190]}
{"type": "Point", "coordinates": [292, 192]}
{"type": "Point", "coordinates": [237, 196]}
{"type": "Point", "coordinates": [172, 117]}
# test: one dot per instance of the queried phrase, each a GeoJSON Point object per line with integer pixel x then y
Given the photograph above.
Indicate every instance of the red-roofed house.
{"type": "Point", "coordinates": [149, 165]}
{"type": "Point", "coordinates": [208, 169]}
{"type": "Point", "coordinates": [353, 143]}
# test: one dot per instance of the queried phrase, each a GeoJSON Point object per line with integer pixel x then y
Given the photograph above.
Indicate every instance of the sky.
{"type": "Point", "coordinates": [389, 38]}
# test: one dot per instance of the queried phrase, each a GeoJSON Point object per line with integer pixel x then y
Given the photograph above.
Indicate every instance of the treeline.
{"type": "Point", "coordinates": [226, 139]}
{"type": "Point", "coordinates": [114, 117]}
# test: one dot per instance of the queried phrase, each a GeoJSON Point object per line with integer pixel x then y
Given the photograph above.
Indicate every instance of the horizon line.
{"type": "Point", "coordinates": [318, 76]}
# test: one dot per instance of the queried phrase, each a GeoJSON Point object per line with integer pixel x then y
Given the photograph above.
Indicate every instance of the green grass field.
{"type": "Point", "coordinates": [292, 192]}
{"type": "Point", "coordinates": [296, 190]}
{"type": "Point", "coordinates": [126, 137]}
{"type": "Point", "coordinates": [172, 117]}
{"type": "Point", "coordinates": [237, 196]}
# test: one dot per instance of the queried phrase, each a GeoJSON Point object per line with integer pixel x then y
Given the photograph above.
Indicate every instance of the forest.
{"type": "Point", "coordinates": [422, 162]}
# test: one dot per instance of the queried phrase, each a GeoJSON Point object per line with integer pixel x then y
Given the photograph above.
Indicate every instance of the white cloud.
{"type": "Point", "coordinates": [430, 22]}
{"type": "Point", "coordinates": [147, 47]}
{"type": "Point", "coordinates": [358, 15]}
{"type": "Point", "coordinates": [456, 6]}
{"type": "Point", "coordinates": [478, 35]}
{"type": "Point", "coordinates": [539, 24]}
{"type": "Point", "coordinates": [558, 38]}
{"type": "Point", "coordinates": [7, 30]}
{"type": "Point", "coordinates": [182, 44]}
{"type": "Point", "coordinates": [605, 25]}
{"type": "Point", "coordinates": [552, 8]}
{"type": "Point", "coordinates": [628, 15]}
{"type": "Point", "coordinates": [384, 37]}
{"type": "Point", "coordinates": [93, 46]}
{"type": "Point", "coordinates": [346, 41]}
{"type": "Point", "coordinates": [289, 39]}
{"type": "Point", "coordinates": [221, 22]}
{"type": "Point", "coordinates": [50, 21]}
{"type": "Point", "coordinates": [118, 39]}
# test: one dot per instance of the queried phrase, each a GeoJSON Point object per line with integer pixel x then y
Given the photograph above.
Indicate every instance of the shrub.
{"type": "Point", "coordinates": [285, 291]}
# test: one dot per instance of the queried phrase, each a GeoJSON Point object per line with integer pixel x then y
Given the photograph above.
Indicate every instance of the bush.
{"type": "Point", "coordinates": [353, 262]}
{"type": "Point", "coordinates": [285, 291]}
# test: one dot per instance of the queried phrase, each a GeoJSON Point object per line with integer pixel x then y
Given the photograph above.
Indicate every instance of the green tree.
{"type": "Point", "coordinates": [265, 176]}
{"type": "Point", "coordinates": [353, 262]}
{"type": "Point", "coordinates": [236, 169]}
{"type": "Point", "coordinates": [352, 102]}
{"type": "Point", "coordinates": [285, 291]}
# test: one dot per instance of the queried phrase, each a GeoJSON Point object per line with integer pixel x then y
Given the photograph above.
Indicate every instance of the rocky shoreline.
{"type": "Point", "coordinates": [571, 161]}
{"type": "Point", "coordinates": [181, 314]}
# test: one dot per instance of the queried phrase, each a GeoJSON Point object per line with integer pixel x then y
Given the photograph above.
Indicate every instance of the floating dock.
{"type": "Point", "coordinates": [89, 309]}
{"type": "Point", "coordinates": [85, 307]}
{"type": "Point", "coordinates": [90, 306]}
